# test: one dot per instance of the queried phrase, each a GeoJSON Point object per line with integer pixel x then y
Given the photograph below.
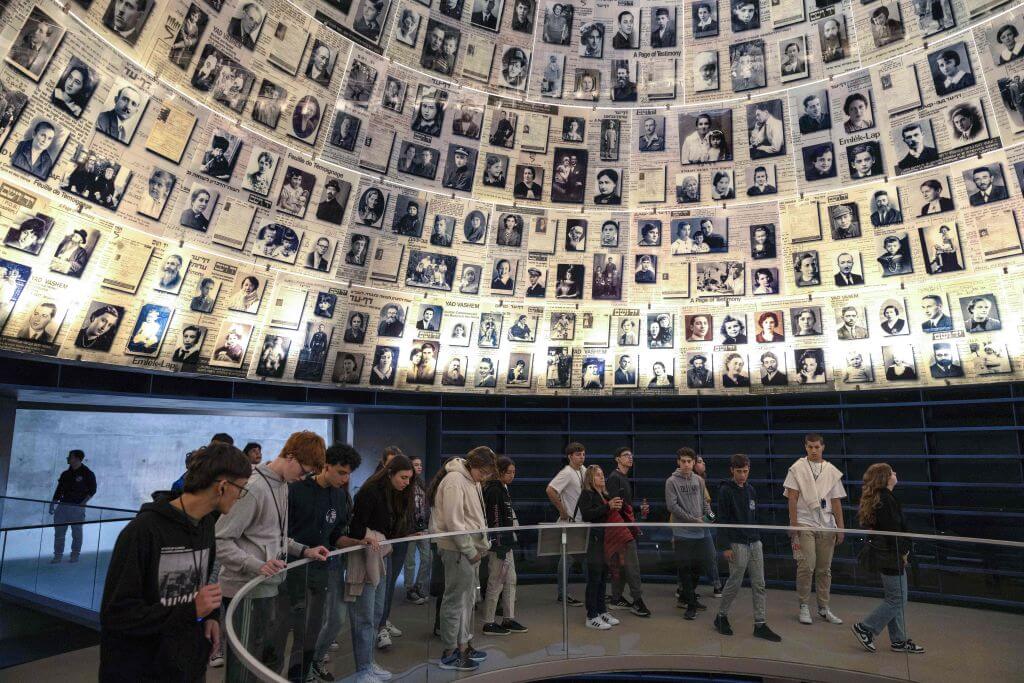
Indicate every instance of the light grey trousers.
{"type": "Point", "coordinates": [746, 557]}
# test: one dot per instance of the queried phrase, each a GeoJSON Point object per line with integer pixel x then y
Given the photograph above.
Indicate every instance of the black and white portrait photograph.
{"type": "Point", "coordinates": [171, 273]}
{"type": "Point", "coordinates": [474, 227]}
{"type": "Point", "coordinates": [806, 321]}
{"type": "Point", "coordinates": [558, 20]}
{"type": "Point", "coordinates": [747, 64]}
{"type": "Point", "coordinates": [1005, 42]}
{"type": "Point", "coordinates": [99, 326]}
{"type": "Point", "coordinates": [12, 103]}
{"type": "Point", "coordinates": [886, 24]}
{"type": "Point", "coordinates": [149, 331]}
{"type": "Point", "coordinates": [193, 26]}
{"type": "Point", "coordinates": [914, 146]}
{"type": "Point", "coordinates": [623, 79]}
{"type": "Point", "coordinates": [430, 270]}
{"type": "Point", "coordinates": [421, 367]}
{"type": "Point", "coordinates": [660, 330]}
{"type": "Point", "coordinates": [773, 369]}
{"type": "Point", "coordinates": [985, 184]}
{"type": "Point", "coordinates": [503, 276]}
{"type": "Point", "coordinates": [204, 296]}
{"type": "Point", "coordinates": [553, 75]}
{"type": "Point", "coordinates": [260, 171]}
{"type": "Point", "coordinates": [320, 254]}
{"type": "Point", "coordinates": [371, 207]}
{"type": "Point", "coordinates": [607, 279]}
{"type": "Point", "coordinates": [793, 64]}
{"type": "Point", "coordinates": [806, 268]}
{"type": "Point", "coordinates": [246, 293]}
{"type": "Point", "coordinates": [864, 160]}
{"type": "Point", "coordinates": [833, 39]}
{"type": "Point", "coordinates": [385, 366]}
{"type": "Point", "coordinates": [945, 361]}
{"type": "Point", "coordinates": [734, 370]}
{"type": "Point", "coordinates": [570, 281]}
{"type": "Point", "coordinates": [74, 251]}
{"type": "Point", "coordinates": [705, 71]}
{"type": "Point", "coordinates": [202, 201]}
{"type": "Point", "coordinates": [951, 69]}
{"type": "Point", "coordinates": [625, 374]}
{"type": "Point", "coordinates": [819, 162]}
{"type": "Point", "coordinates": [519, 370]}
{"type": "Point", "coordinates": [720, 278]}
{"type": "Point", "coordinates": [454, 374]}
{"type": "Point", "coordinates": [966, 123]}
{"type": "Point", "coordinates": [190, 343]}
{"type": "Point", "coordinates": [563, 326]}
{"type": "Point", "coordinates": [40, 147]}
{"type": "Point", "coordinates": [305, 119]}
{"type": "Point", "coordinates": [764, 281]}
{"type": "Point", "coordinates": [486, 373]}
{"type": "Point", "coordinates": [75, 88]}
{"type": "Point", "coordinates": [269, 101]}
{"type": "Point", "coordinates": [325, 304]}
{"type": "Point", "coordinates": [576, 235]}
{"type": "Point", "coordinates": [503, 129]}
{"type": "Point", "coordinates": [93, 178]}
{"type": "Point", "coordinates": [936, 196]}
{"type": "Point", "coordinates": [370, 16]}
{"type": "Point", "coordinates": [409, 214]}
{"type": "Point", "coordinates": [320, 67]}
{"type": "Point", "coordinates": [980, 313]}
{"type": "Point", "coordinates": [273, 356]}
{"type": "Point", "coordinates": [610, 138]}
{"type": "Point", "coordinates": [393, 97]}
{"type": "Point", "coordinates": [704, 18]}
{"type": "Point", "coordinates": [334, 195]}
{"type": "Point", "coordinates": [723, 184]}
{"type": "Point", "coordinates": [230, 345]}
{"type": "Point", "coordinates": [844, 220]}
{"type": "Point", "coordinates": [859, 110]}
{"type": "Point", "coordinates": [418, 160]}
{"type": "Point", "coordinates": [44, 316]}
{"type": "Point", "coordinates": [987, 358]}
{"type": "Point", "coordinates": [523, 328]}
{"type": "Point", "coordinates": [762, 241]}
{"type": "Point", "coordinates": [648, 232]}
{"type": "Point", "coordinates": [313, 352]}
{"type": "Point", "coordinates": [885, 208]}
{"type": "Point", "coordinates": [809, 366]}
{"type": "Point", "coordinates": [899, 362]}
{"type": "Point", "coordinates": [761, 180]}
{"type": "Point", "coordinates": [815, 113]}
{"type": "Point", "coordinates": [359, 82]}
{"type": "Point", "coordinates": [587, 85]}
{"type": "Point", "coordinates": [941, 247]}
{"type": "Point", "coordinates": [699, 371]}
{"type": "Point", "coordinates": [442, 231]}
{"type": "Point", "coordinates": [894, 254]}
{"type": "Point", "coordinates": [851, 323]}
{"type": "Point", "coordinates": [219, 158]}
{"type": "Point", "coordinates": [536, 284]}
{"type": "Point", "coordinates": [765, 131]}
{"type": "Point", "coordinates": [745, 15]}
{"type": "Point", "coordinates": [355, 327]}
{"type": "Point", "coordinates": [35, 43]}
{"type": "Point", "coordinates": [529, 182]}
{"type": "Point", "coordinates": [688, 187]}
{"type": "Point", "coordinates": [345, 131]}
{"type": "Point", "coordinates": [358, 250]}
{"type": "Point", "coordinates": [661, 371]}
{"type": "Point", "coordinates": [592, 372]}
{"type": "Point", "coordinates": [441, 47]}
{"type": "Point", "coordinates": [522, 16]}
{"type": "Point", "coordinates": [459, 168]}
{"type": "Point", "coordinates": [569, 175]}
{"type": "Point", "coordinates": [591, 36]}
{"type": "Point", "coordinates": [892, 318]}
{"type": "Point", "coordinates": [459, 331]}
{"type": "Point", "coordinates": [652, 134]}
{"type": "Point", "coordinates": [392, 321]}
{"type": "Point", "coordinates": [515, 67]}
{"type": "Point", "coordinates": [706, 136]}
{"type": "Point", "coordinates": [470, 278]}
{"type": "Point", "coordinates": [245, 26]}
{"type": "Point", "coordinates": [849, 269]}
{"type": "Point", "coordinates": [467, 120]}
{"type": "Point", "coordinates": [573, 128]}
{"type": "Point", "coordinates": [609, 183]}
{"type": "Point", "coordinates": [935, 16]}
{"type": "Point", "coordinates": [858, 369]}
{"type": "Point", "coordinates": [122, 111]}
{"type": "Point", "coordinates": [495, 170]}
{"type": "Point", "coordinates": [407, 29]}
{"type": "Point", "coordinates": [663, 27]}
{"type": "Point", "coordinates": [489, 330]}
{"type": "Point", "coordinates": [296, 191]}
{"type": "Point", "coordinates": [487, 14]}
{"type": "Point", "coordinates": [28, 232]}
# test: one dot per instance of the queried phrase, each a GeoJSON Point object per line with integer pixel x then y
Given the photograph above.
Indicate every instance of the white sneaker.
{"type": "Point", "coordinates": [609, 619]}
{"type": "Point", "coordinates": [392, 629]}
{"type": "Point", "coordinates": [826, 614]}
{"type": "Point", "coordinates": [805, 615]}
{"type": "Point", "coordinates": [380, 672]}
{"type": "Point", "coordinates": [383, 639]}
{"type": "Point", "coordinates": [333, 646]}
{"type": "Point", "coordinates": [598, 623]}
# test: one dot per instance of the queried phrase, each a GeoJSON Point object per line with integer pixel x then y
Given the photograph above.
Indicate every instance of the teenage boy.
{"type": "Point", "coordinates": [319, 508]}
{"type": "Point", "coordinates": [684, 495]}
{"type": "Point", "coordinates": [564, 492]}
{"type": "Point", "coordinates": [814, 491]}
{"type": "Point", "coordinates": [158, 611]}
{"type": "Point", "coordinates": [252, 540]}
{"type": "Point", "coordinates": [619, 486]}
{"type": "Point", "coordinates": [737, 504]}
{"type": "Point", "coordinates": [76, 485]}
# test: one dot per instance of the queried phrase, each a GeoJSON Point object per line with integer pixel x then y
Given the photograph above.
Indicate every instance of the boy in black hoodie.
{"type": "Point", "coordinates": [155, 618]}
{"type": "Point", "coordinates": [737, 504]}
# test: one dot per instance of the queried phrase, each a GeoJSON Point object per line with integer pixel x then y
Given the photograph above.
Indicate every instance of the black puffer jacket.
{"type": "Point", "coordinates": [498, 508]}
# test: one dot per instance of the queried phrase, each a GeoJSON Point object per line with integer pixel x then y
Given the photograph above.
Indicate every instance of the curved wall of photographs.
{"type": "Point", "coordinates": [506, 195]}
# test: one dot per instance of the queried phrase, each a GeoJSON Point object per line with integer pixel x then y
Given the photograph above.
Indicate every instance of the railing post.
{"type": "Point", "coordinates": [565, 592]}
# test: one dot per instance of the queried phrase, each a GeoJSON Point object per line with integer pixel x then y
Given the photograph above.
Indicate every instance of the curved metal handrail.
{"type": "Point", "coordinates": [258, 668]}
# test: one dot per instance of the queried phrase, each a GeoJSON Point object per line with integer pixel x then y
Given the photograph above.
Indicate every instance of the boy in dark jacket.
{"type": "Point", "coordinates": [157, 618]}
{"type": "Point", "coordinates": [737, 504]}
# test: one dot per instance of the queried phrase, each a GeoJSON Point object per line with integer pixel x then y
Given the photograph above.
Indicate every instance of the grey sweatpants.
{"type": "Point", "coordinates": [628, 573]}
{"type": "Point", "coordinates": [745, 557]}
{"type": "Point", "coordinates": [460, 577]}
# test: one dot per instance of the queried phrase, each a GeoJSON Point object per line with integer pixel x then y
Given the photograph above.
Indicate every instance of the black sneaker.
{"type": "Point", "coordinates": [691, 613]}
{"type": "Point", "coordinates": [494, 629]}
{"type": "Point", "coordinates": [682, 604]}
{"type": "Point", "coordinates": [640, 609]}
{"type": "Point", "coordinates": [699, 605]}
{"type": "Point", "coordinates": [717, 590]}
{"type": "Point", "coordinates": [762, 631]}
{"type": "Point", "coordinates": [456, 661]}
{"type": "Point", "coordinates": [476, 655]}
{"type": "Point", "coordinates": [907, 646]}
{"type": "Point", "coordinates": [722, 625]}
{"type": "Point", "coordinates": [866, 638]}
{"type": "Point", "coordinates": [320, 672]}
{"type": "Point", "coordinates": [572, 602]}
{"type": "Point", "coordinates": [621, 603]}
{"type": "Point", "coordinates": [514, 626]}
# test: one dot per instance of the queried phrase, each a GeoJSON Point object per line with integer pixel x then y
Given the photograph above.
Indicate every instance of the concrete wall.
{"type": "Point", "coordinates": [374, 431]}
{"type": "Point", "coordinates": [132, 454]}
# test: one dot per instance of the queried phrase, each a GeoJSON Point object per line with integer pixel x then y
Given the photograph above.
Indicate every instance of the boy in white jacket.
{"type": "Point", "coordinates": [458, 506]}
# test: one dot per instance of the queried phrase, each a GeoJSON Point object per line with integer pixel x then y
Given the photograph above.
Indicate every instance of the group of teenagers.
{"type": "Point", "coordinates": [178, 565]}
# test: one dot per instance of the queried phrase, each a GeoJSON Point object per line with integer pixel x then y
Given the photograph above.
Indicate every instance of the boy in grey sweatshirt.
{"type": "Point", "coordinates": [684, 496]}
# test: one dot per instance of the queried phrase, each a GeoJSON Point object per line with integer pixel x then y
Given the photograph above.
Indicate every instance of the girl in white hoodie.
{"type": "Point", "coordinates": [457, 502]}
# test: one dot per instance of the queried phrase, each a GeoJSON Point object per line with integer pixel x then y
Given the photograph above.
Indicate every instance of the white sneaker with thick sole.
{"type": "Point", "coordinates": [611, 621]}
{"type": "Point", "coordinates": [805, 615]}
{"type": "Point", "coordinates": [598, 623]}
{"type": "Point", "coordinates": [380, 672]}
{"type": "Point", "coordinates": [383, 639]}
{"type": "Point", "coordinates": [826, 614]}
{"type": "Point", "coordinates": [392, 629]}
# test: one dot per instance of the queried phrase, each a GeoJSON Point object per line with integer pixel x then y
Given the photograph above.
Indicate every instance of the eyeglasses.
{"type": "Point", "coordinates": [305, 472]}
{"type": "Point", "coordinates": [242, 491]}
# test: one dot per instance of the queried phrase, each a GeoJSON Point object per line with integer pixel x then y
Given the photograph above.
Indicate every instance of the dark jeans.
{"type": "Point", "coordinates": [395, 562]}
{"type": "Point", "coordinates": [262, 625]}
{"type": "Point", "coordinates": [67, 514]}
{"type": "Point", "coordinates": [689, 562]}
{"type": "Point", "coordinates": [307, 591]}
{"type": "Point", "coordinates": [597, 577]}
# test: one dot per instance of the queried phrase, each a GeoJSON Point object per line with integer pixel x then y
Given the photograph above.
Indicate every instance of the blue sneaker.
{"type": "Point", "coordinates": [454, 661]}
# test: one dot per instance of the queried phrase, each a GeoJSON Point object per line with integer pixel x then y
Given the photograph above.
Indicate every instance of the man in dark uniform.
{"type": "Point", "coordinates": [77, 484]}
